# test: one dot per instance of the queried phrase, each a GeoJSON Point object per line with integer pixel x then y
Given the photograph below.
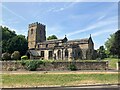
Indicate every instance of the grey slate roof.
{"type": "Point", "coordinates": [85, 40]}
{"type": "Point", "coordinates": [51, 41]}
{"type": "Point", "coordinates": [34, 53]}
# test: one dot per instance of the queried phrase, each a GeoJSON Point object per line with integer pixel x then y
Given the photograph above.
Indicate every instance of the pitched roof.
{"type": "Point", "coordinates": [84, 40]}
{"type": "Point", "coordinates": [51, 41]}
{"type": "Point", "coordinates": [34, 53]}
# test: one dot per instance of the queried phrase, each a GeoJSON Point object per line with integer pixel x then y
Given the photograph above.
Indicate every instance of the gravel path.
{"type": "Point", "coordinates": [59, 72]}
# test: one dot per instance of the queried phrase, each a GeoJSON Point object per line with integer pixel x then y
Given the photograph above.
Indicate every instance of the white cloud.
{"type": "Point", "coordinates": [17, 15]}
{"type": "Point", "coordinates": [66, 6]}
{"type": "Point", "coordinates": [103, 32]}
{"type": "Point", "coordinates": [101, 17]}
{"type": "Point", "coordinates": [99, 24]}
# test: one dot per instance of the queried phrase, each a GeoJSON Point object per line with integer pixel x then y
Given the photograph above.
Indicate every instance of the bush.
{"type": "Point", "coordinates": [6, 56]}
{"type": "Point", "coordinates": [31, 65]}
{"type": "Point", "coordinates": [24, 57]}
{"type": "Point", "coordinates": [72, 67]}
{"type": "Point", "coordinates": [15, 55]}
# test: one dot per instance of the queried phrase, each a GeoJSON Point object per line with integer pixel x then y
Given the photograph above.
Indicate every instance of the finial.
{"type": "Point", "coordinates": [90, 35]}
{"type": "Point", "coordinates": [65, 35]}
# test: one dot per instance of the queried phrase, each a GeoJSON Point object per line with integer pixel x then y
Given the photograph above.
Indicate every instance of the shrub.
{"type": "Point", "coordinates": [24, 57]}
{"type": "Point", "coordinates": [31, 65]}
{"type": "Point", "coordinates": [6, 56]}
{"type": "Point", "coordinates": [15, 55]}
{"type": "Point", "coordinates": [23, 62]}
{"type": "Point", "coordinates": [72, 67]}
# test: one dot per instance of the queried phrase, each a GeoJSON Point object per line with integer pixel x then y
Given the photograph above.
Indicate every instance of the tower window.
{"type": "Point", "coordinates": [31, 31]}
{"type": "Point", "coordinates": [46, 45]}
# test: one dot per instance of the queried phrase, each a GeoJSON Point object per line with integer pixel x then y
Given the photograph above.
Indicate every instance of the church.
{"type": "Point", "coordinates": [57, 49]}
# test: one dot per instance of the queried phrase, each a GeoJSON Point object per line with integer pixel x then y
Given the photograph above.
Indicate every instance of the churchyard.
{"type": "Point", "coordinates": [71, 77]}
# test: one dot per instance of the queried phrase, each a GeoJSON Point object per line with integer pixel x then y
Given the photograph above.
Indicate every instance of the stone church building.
{"type": "Point", "coordinates": [57, 49]}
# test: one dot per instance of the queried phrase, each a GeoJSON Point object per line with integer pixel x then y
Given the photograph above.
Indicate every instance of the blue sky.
{"type": "Point", "coordinates": [75, 19]}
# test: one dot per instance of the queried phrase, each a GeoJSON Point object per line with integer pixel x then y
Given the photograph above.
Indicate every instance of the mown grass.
{"type": "Point", "coordinates": [112, 62]}
{"type": "Point", "coordinates": [29, 80]}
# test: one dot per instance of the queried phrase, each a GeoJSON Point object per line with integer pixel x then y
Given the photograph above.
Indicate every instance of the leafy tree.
{"type": "Point", "coordinates": [17, 43]}
{"type": "Point", "coordinates": [12, 42]}
{"type": "Point", "coordinates": [101, 52]}
{"type": "Point", "coordinates": [115, 48]}
{"type": "Point", "coordinates": [52, 37]}
{"type": "Point", "coordinates": [6, 35]}
{"type": "Point", "coordinates": [113, 44]}
{"type": "Point", "coordinates": [109, 44]}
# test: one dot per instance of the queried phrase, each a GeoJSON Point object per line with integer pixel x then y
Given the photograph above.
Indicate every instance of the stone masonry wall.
{"type": "Point", "coordinates": [57, 66]}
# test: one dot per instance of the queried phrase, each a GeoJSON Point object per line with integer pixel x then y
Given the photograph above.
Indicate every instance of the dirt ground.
{"type": "Point", "coordinates": [60, 72]}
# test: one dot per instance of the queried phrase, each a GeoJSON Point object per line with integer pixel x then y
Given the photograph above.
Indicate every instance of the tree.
{"type": "Point", "coordinates": [115, 48]}
{"type": "Point", "coordinates": [18, 43]}
{"type": "Point", "coordinates": [6, 35]}
{"type": "Point", "coordinates": [12, 42]}
{"type": "Point", "coordinates": [109, 44]}
{"type": "Point", "coordinates": [113, 44]}
{"type": "Point", "coordinates": [101, 52]}
{"type": "Point", "coordinates": [52, 37]}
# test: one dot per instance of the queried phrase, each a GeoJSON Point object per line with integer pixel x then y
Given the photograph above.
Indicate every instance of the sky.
{"type": "Point", "coordinates": [76, 20]}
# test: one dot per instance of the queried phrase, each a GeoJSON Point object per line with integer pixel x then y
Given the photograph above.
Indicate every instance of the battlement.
{"type": "Point", "coordinates": [36, 24]}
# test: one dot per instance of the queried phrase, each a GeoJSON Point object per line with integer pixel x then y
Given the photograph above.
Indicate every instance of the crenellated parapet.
{"type": "Point", "coordinates": [36, 24]}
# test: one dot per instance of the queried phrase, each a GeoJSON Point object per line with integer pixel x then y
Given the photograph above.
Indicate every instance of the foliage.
{"type": "Point", "coordinates": [115, 49]}
{"type": "Point", "coordinates": [109, 43]}
{"type": "Point", "coordinates": [72, 67]}
{"type": "Point", "coordinates": [101, 52]}
{"type": "Point", "coordinates": [18, 43]}
{"type": "Point", "coordinates": [6, 56]}
{"type": "Point", "coordinates": [112, 62]}
{"type": "Point", "coordinates": [113, 44]}
{"type": "Point", "coordinates": [52, 37]}
{"type": "Point", "coordinates": [12, 42]}
{"type": "Point", "coordinates": [31, 65]}
{"type": "Point", "coordinates": [6, 35]}
{"type": "Point", "coordinates": [24, 57]}
{"type": "Point", "coordinates": [15, 55]}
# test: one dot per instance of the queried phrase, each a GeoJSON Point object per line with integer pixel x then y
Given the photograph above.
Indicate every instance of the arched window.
{"type": "Point", "coordinates": [59, 54]}
{"type": "Point", "coordinates": [31, 31]}
{"type": "Point", "coordinates": [66, 53]}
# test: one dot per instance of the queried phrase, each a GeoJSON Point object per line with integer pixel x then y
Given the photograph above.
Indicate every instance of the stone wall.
{"type": "Point", "coordinates": [57, 66]}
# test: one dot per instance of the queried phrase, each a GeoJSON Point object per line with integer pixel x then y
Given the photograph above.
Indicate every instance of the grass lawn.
{"type": "Point", "coordinates": [32, 80]}
{"type": "Point", "coordinates": [112, 62]}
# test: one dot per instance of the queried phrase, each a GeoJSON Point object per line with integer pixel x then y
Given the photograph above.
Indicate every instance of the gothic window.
{"type": "Point", "coordinates": [50, 53]}
{"type": "Point", "coordinates": [31, 31]}
{"type": "Point", "coordinates": [46, 45]}
{"type": "Point", "coordinates": [59, 54]}
{"type": "Point", "coordinates": [42, 53]}
{"type": "Point", "coordinates": [38, 46]}
{"type": "Point", "coordinates": [66, 53]}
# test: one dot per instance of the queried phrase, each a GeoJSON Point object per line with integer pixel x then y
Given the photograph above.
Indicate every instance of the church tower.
{"type": "Point", "coordinates": [36, 33]}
